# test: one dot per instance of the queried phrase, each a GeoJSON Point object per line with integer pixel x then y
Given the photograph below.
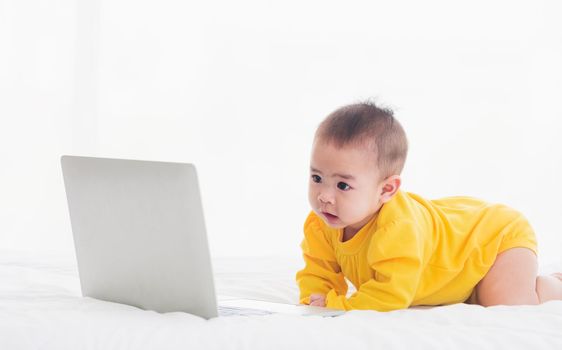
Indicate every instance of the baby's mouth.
{"type": "Point", "coordinates": [329, 216]}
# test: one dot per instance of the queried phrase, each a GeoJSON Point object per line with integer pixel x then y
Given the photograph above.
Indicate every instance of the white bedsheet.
{"type": "Point", "coordinates": [41, 308]}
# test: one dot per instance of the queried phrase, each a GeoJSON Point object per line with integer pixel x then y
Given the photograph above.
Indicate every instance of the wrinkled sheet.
{"type": "Point", "coordinates": [41, 308]}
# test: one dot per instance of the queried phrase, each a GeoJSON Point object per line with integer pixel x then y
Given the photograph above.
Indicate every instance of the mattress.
{"type": "Point", "coordinates": [41, 307]}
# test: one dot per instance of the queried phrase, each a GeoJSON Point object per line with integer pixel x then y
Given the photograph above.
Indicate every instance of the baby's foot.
{"type": "Point", "coordinates": [557, 275]}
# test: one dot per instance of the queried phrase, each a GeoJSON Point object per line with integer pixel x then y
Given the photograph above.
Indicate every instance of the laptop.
{"type": "Point", "coordinates": [140, 238]}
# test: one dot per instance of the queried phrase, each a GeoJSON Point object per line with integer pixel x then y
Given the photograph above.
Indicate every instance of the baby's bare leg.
{"type": "Point", "coordinates": [549, 287]}
{"type": "Point", "coordinates": [513, 280]}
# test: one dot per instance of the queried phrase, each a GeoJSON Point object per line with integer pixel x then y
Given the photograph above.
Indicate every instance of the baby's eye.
{"type": "Point", "coordinates": [343, 186]}
{"type": "Point", "coordinates": [316, 178]}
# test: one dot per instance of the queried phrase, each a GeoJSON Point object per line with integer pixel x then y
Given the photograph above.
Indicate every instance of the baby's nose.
{"type": "Point", "coordinates": [325, 197]}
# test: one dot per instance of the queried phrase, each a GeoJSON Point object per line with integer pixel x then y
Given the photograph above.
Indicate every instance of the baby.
{"type": "Point", "coordinates": [397, 248]}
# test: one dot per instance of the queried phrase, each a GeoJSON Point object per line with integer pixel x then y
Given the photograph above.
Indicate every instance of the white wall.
{"type": "Point", "coordinates": [37, 90]}
{"type": "Point", "coordinates": [238, 88]}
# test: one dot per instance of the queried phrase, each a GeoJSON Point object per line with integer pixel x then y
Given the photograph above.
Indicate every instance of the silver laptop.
{"type": "Point", "coordinates": [140, 238]}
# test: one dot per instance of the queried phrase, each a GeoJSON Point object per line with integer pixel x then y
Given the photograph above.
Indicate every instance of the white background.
{"type": "Point", "coordinates": [238, 88]}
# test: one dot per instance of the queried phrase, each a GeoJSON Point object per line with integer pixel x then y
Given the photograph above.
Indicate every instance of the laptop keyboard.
{"type": "Point", "coordinates": [238, 311]}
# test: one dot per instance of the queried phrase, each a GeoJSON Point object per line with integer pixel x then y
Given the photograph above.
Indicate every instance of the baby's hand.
{"type": "Point", "coordinates": [317, 300]}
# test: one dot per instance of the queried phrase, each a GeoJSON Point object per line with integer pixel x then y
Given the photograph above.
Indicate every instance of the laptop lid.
{"type": "Point", "coordinates": [139, 233]}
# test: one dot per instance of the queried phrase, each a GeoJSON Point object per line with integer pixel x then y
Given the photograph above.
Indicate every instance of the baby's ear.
{"type": "Point", "coordinates": [389, 187]}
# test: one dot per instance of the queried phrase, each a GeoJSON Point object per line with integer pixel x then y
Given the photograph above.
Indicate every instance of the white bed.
{"type": "Point", "coordinates": [41, 308]}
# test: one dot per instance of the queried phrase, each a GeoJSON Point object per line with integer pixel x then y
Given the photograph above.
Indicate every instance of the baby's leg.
{"type": "Point", "coordinates": [513, 280]}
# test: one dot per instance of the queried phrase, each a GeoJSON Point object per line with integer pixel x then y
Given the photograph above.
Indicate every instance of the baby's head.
{"type": "Point", "coordinates": [357, 156]}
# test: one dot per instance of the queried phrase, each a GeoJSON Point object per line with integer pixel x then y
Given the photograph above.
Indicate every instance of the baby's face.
{"type": "Point", "coordinates": [343, 188]}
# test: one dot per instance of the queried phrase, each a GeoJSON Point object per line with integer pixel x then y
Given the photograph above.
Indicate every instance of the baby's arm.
{"type": "Point", "coordinates": [319, 277]}
{"type": "Point", "coordinates": [321, 273]}
{"type": "Point", "coordinates": [396, 256]}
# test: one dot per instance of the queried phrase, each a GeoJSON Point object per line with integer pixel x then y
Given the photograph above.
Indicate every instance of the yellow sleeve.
{"type": "Point", "coordinates": [321, 273]}
{"type": "Point", "coordinates": [395, 255]}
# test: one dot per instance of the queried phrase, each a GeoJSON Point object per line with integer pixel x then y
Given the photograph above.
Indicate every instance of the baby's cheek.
{"type": "Point", "coordinates": [357, 211]}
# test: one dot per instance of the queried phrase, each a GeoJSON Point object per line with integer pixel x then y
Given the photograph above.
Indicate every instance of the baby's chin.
{"type": "Point", "coordinates": [331, 225]}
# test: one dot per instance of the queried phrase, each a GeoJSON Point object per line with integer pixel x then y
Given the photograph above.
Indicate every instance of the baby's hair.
{"type": "Point", "coordinates": [365, 123]}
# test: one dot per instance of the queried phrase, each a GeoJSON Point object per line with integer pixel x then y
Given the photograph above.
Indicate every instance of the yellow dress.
{"type": "Point", "coordinates": [414, 252]}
